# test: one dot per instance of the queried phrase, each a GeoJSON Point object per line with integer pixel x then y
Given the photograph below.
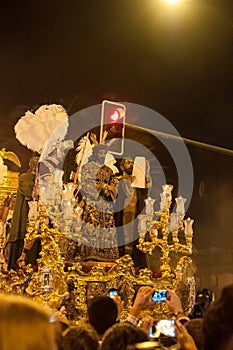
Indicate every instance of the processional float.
{"type": "Point", "coordinates": [56, 282]}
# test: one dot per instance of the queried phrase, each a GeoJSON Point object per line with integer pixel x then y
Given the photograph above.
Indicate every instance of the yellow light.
{"type": "Point", "coordinates": [173, 2]}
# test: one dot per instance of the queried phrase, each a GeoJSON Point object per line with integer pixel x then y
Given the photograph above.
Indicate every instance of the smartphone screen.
{"type": "Point", "coordinates": [166, 327]}
{"type": "Point", "coordinates": [159, 296]}
{"type": "Point", "coordinates": [112, 292]}
{"type": "Point", "coordinates": [154, 333]}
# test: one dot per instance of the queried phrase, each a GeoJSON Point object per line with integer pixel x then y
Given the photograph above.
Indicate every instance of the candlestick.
{"type": "Point", "coordinates": [180, 206]}
{"type": "Point", "coordinates": [33, 212]}
{"type": "Point", "coordinates": [142, 223]}
{"type": "Point", "coordinates": [166, 197]}
{"type": "Point", "coordinates": [174, 224]}
{"type": "Point", "coordinates": [154, 232]}
{"type": "Point", "coordinates": [167, 189]}
{"type": "Point", "coordinates": [163, 201]}
{"type": "Point", "coordinates": [188, 230]}
{"type": "Point", "coordinates": [149, 206]}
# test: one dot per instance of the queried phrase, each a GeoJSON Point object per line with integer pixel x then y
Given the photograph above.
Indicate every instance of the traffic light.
{"type": "Point", "coordinates": [112, 128]}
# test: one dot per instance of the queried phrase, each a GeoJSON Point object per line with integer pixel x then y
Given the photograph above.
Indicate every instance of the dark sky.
{"type": "Point", "coordinates": [175, 60]}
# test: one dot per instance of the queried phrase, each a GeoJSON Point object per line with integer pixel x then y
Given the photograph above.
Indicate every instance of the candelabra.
{"type": "Point", "coordinates": [62, 208]}
{"type": "Point", "coordinates": [164, 231]}
{"type": "Point", "coordinates": [48, 284]}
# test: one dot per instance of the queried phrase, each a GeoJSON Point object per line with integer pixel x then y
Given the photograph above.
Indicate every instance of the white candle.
{"type": "Point", "coordinates": [154, 232]}
{"type": "Point", "coordinates": [166, 197]}
{"type": "Point", "coordinates": [188, 230]}
{"type": "Point", "coordinates": [32, 210]}
{"type": "Point", "coordinates": [180, 205]}
{"type": "Point", "coordinates": [163, 201]}
{"type": "Point", "coordinates": [142, 223]}
{"type": "Point", "coordinates": [149, 206]}
{"type": "Point", "coordinates": [173, 222]}
{"type": "Point", "coordinates": [167, 189]}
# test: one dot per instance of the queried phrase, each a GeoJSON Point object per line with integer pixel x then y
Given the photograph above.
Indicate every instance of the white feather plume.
{"type": "Point", "coordinates": [33, 130]}
{"type": "Point", "coordinates": [84, 150]}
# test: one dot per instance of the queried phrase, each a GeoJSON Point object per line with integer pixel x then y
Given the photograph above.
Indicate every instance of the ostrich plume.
{"type": "Point", "coordinates": [34, 129]}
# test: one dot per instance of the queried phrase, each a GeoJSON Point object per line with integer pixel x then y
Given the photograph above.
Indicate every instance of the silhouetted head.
{"type": "Point", "coordinates": [119, 336]}
{"type": "Point", "coordinates": [33, 162]}
{"type": "Point", "coordinates": [218, 322]}
{"type": "Point", "coordinates": [102, 313]}
{"type": "Point", "coordinates": [83, 337]}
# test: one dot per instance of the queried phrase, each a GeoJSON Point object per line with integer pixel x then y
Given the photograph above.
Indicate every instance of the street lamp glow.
{"type": "Point", "coordinates": [172, 2]}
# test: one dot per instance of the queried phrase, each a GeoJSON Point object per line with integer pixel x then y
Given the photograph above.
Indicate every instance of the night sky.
{"type": "Point", "coordinates": [177, 61]}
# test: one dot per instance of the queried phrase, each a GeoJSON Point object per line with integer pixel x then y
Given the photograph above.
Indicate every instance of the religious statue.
{"type": "Point", "coordinates": [98, 190]}
{"type": "Point", "coordinates": [134, 183]}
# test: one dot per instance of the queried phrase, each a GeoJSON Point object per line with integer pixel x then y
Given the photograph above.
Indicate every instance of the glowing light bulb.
{"type": "Point", "coordinates": [173, 2]}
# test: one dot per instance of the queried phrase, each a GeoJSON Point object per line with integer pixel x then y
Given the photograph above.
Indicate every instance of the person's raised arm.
{"type": "Point", "coordinates": [142, 301]}
{"type": "Point", "coordinates": [184, 338]}
{"type": "Point", "coordinates": [174, 304]}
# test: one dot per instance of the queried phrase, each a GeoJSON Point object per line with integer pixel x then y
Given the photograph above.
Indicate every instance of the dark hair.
{"type": "Point", "coordinates": [99, 147]}
{"type": "Point", "coordinates": [218, 321]}
{"type": "Point", "coordinates": [82, 337]}
{"type": "Point", "coordinates": [119, 336]}
{"type": "Point", "coordinates": [102, 313]}
{"type": "Point", "coordinates": [195, 329]}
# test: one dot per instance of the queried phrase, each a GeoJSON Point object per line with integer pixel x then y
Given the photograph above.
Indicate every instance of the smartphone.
{"type": "Point", "coordinates": [154, 333]}
{"type": "Point", "coordinates": [112, 292]}
{"type": "Point", "coordinates": [166, 327]}
{"type": "Point", "coordinates": [159, 296]}
{"type": "Point", "coordinates": [52, 319]}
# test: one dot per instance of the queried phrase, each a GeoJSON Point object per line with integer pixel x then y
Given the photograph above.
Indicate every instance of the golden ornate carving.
{"type": "Point", "coordinates": [53, 286]}
{"type": "Point", "coordinates": [9, 185]}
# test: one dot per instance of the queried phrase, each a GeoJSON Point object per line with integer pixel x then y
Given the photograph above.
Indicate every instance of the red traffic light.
{"type": "Point", "coordinates": [113, 125]}
{"type": "Point", "coordinates": [114, 116]}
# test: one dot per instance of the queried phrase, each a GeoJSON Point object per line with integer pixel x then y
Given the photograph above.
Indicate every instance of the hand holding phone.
{"type": "Point", "coordinates": [163, 327]}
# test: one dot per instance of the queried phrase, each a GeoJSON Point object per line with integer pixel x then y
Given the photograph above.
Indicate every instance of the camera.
{"type": "Point", "coordinates": [203, 300]}
{"type": "Point", "coordinates": [112, 292]}
{"type": "Point", "coordinates": [159, 296]}
{"type": "Point", "coordinates": [162, 328]}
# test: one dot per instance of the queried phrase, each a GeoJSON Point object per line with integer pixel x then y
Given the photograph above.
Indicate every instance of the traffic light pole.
{"type": "Point", "coordinates": [199, 144]}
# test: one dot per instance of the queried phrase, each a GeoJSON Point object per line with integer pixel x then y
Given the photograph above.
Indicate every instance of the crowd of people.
{"type": "Point", "coordinates": [26, 325]}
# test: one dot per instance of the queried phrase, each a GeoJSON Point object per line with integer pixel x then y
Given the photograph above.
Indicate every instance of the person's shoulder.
{"type": "Point", "coordinates": [22, 176]}
{"type": "Point", "coordinates": [26, 176]}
